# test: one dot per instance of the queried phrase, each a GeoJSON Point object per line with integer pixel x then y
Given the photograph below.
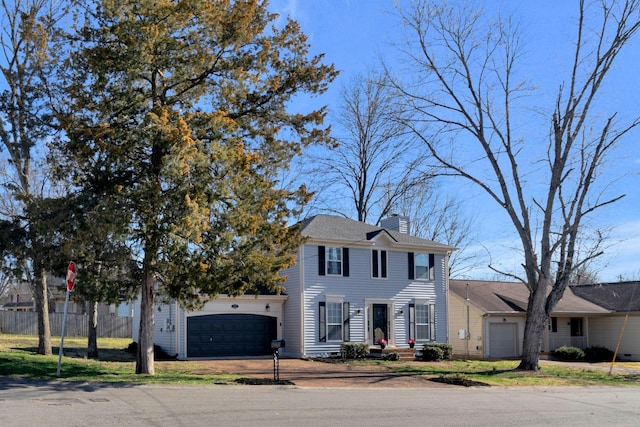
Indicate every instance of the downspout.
{"type": "Point", "coordinates": [446, 291]}
{"type": "Point", "coordinates": [302, 302]}
{"type": "Point", "coordinates": [485, 332]}
{"type": "Point", "coordinates": [176, 327]}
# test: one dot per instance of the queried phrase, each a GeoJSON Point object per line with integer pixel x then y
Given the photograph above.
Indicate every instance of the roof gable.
{"type": "Point", "coordinates": [375, 235]}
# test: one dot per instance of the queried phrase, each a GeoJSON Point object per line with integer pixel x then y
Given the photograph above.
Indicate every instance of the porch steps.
{"type": "Point", "coordinates": [406, 354]}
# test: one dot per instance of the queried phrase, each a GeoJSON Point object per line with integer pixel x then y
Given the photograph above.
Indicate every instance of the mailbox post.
{"type": "Point", "coordinates": [276, 345]}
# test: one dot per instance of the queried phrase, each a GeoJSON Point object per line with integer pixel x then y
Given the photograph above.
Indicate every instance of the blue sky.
{"type": "Point", "coordinates": [355, 34]}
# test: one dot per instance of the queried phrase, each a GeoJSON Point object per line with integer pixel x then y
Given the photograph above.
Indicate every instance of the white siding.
{"type": "Point", "coordinates": [292, 309]}
{"type": "Point", "coordinates": [360, 290]}
{"type": "Point", "coordinates": [164, 331]}
{"type": "Point", "coordinates": [605, 332]}
{"type": "Point", "coordinates": [164, 337]}
{"type": "Point", "coordinates": [563, 335]}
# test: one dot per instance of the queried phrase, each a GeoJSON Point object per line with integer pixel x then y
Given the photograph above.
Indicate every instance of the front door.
{"type": "Point", "coordinates": [380, 330]}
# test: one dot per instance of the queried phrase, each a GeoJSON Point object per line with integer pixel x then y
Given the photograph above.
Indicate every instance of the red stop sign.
{"type": "Point", "coordinates": [71, 276]}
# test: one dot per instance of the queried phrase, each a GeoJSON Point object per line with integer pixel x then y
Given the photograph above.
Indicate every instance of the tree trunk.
{"type": "Point", "coordinates": [144, 355]}
{"type": "Point", "coordinates": [534, 330]}
{"type": "Point", "coordinates": [42, 307]}
{"type": "Point", "coordinates": [92, 344]}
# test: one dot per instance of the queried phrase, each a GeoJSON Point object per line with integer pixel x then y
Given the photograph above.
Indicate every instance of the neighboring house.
{"type": "Point", "coordinates": [19, 298]}
{"type": "Point", "coordinates": [57, 295]}
{"type": "Point", "coordinates": [352, 282]}
{"type": "Point", "coordinates": [494, 315]}
{"type": "Point", "coordinates": [622, 324]}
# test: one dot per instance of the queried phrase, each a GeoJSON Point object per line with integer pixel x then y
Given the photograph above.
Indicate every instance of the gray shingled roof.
{"type": "Point", "coordinates": [512, 297]}
{"type": "Point", "coordinates": [329, 227]}
{"type": "Point", "coordinates": [620, 297]}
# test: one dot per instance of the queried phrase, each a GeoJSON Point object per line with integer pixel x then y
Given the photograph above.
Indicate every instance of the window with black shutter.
{"type": "Point", "coordinates": [333, 261]}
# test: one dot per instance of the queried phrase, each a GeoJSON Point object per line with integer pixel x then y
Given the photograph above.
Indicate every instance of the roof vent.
{"type": "Point", "coordinates": [396, 222]}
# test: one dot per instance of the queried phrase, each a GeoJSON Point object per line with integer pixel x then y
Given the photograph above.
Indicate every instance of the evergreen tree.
{"type": "Point", "coordinates": [180, 108]}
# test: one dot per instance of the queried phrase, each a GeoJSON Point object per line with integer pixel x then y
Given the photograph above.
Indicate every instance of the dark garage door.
{"type": "Point", "coordinates": [220, 335]}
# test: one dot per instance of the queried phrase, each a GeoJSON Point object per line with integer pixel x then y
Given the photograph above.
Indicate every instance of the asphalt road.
{"type": "Point", "coordinates": [32, 403]}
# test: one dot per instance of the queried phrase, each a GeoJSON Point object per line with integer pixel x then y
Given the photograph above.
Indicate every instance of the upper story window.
{"type": "Point", "coordinates": [379, 263]}
{"type": "Point", "coordinates": [333, 261]}
{"type": "Point", "coordinates": [421, 266]}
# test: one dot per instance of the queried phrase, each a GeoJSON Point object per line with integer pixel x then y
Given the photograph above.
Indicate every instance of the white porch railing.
{"type": "Point", "coordinates": [579, 342]}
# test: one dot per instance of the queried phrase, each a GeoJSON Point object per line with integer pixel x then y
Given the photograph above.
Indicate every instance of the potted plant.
{"type": "Point", "coordinates": [411, 342]}
{"type": "Point", "coordinates": [383, 343]}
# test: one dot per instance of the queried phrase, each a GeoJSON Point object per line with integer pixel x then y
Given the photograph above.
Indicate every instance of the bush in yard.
{"type": "Point", "coordinates": [568, 353]}
{"type": "Point", "coordinates": [598, 354]}
{"type": "Point", "coordinates": [354, 350]}
{"type": "Point", "coordinates": [436, 352]}
{"type": "Point", "coordinates": [393, 356]}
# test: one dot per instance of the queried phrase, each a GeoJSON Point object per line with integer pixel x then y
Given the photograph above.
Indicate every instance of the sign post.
{"type": "Point", "coordinates": [71, 281]}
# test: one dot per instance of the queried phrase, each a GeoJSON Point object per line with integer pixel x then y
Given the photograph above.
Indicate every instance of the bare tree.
{"type": "Point", "coordinates": [437, 216]}
{"type": "Point", "coordinates": [465, 100]}
{"type": "Point", "coordinates": [27, 30]}
{"type": "Point", "coordinates": [375, 159]}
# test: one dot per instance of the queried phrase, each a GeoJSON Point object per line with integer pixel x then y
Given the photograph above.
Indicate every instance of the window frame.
{"type": "Point", "coordinates": [429, 325]}
{"type": "Point", "coordinates": [333, 250]}
{"type": "Point", "coordinates": [334, 321]}
{"type": "Point", "coordinates": [428, 265]}
{"type": "Point", "coordinates": [333, 306]}
{"type": "Point", "coordinates": [576, 327]}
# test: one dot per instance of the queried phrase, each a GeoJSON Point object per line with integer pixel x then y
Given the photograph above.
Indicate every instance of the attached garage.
{"type": "Point", "coordinates": [225, 335]}
{"type": "Point", "coordinates": [503, 340]}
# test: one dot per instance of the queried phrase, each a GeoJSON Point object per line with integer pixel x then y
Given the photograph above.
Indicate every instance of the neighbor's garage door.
{"type": "Point", "coordinates": [503, 340]}
{"type": "Point", "coordinates": [220, 335]}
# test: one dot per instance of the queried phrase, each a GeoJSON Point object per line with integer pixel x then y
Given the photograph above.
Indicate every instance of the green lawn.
{"type": "Point", "coordinates": [18, 358]}
{"type": "Point", "coordinates": [504, 373]}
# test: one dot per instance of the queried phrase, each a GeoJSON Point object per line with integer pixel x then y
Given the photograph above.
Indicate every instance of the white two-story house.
{"type": "Point", "coordinates": [355, 282]}
{"type": "Point", "coordinates": [352, 282]}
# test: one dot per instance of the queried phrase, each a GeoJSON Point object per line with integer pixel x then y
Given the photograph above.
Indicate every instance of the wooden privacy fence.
{"type": "Point", "coordinates": [26, 323]}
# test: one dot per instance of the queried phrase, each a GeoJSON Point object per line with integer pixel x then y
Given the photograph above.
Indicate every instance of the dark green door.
{"type": "Point", "coordinates": [380, 323]}
{"type": "Point", "coordinates": [225, 335]}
